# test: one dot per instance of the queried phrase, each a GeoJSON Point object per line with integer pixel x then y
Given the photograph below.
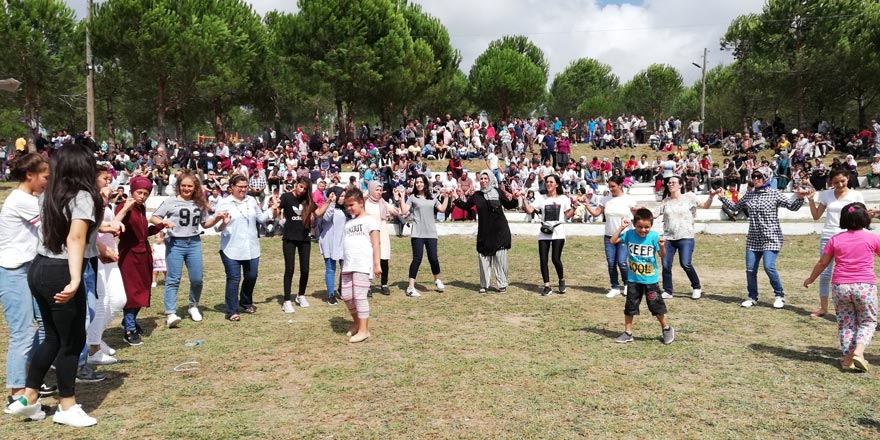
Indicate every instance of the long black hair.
{"type": "Point", "coordinates": [427, 191]}
{"type": "Point", "coordinates": [71, 170]}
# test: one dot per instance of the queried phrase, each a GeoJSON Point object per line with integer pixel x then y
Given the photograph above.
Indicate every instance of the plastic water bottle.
{"type": "Point", "coordinates": [193, 343]}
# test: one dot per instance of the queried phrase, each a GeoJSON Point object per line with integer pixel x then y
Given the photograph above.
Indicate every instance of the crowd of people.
{"type": "Point", "coordinates": [74, 254]}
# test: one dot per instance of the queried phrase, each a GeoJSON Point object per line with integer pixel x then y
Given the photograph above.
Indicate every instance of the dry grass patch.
{"type": "Point", "coordinates": [463, 365]}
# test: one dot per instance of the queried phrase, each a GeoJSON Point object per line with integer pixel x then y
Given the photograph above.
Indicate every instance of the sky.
{"type": "Point", "coordinates": [627, 35]}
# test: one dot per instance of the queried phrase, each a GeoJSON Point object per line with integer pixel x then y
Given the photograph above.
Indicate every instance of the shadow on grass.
{"type": "Point", "coordinates": [96, 393]}
{"type": "Point", "coordinates": [612, 334]}
{"type": "Point", "coordinates": [738, 300]}
{"type": "Point", "coordinates": [868, 422]}
{"type": "Point", "coordinates": [466, 285]}
{"type": "Point", "coordinates": [819, 355]}
{"type": "Point", "coordinates": [339, 324]}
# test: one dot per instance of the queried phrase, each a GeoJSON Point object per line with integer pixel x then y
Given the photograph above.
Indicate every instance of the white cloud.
{"type": "Point", "coordinates": [625, 35]}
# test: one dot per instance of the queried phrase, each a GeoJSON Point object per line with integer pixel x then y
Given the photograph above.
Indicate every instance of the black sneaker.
{"type": "Point", "coordinates": [46, 391]}
{"type": "Point", "coordinates": [385, 291]}
{"type": "Point", "coordinates": [87, 375]}
{"type": "Point", "coordinates": [546, 291]}
{"type": "Point", "coordinates": [138, 329]}
{"type": "Point", "coordinates": [332, 301]}
{"type": "Point", "coordinates": [133, 338]}
{"type": "Point", "coordinates": [561, 287]}
{"type": "Point", "coordinates": [370, 293]}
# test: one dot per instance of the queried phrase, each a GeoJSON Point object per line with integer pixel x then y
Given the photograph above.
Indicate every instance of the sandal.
{"type": "Point", "coordinates": [502, 290]}
{"type": "Point", "coordinates": [860, 363]}
{"type": "Point", "coordinates": [818, 314]}
{"type": "Point", "coordinates": [233, 317]}
{"type": "Point", "coordinates": [482, 290]}
{"type": "Point", "coordinates": [250, 310]}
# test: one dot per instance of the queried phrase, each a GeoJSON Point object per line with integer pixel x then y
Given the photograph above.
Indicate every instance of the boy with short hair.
{"type": "Point", "coordinates": [643, 246]}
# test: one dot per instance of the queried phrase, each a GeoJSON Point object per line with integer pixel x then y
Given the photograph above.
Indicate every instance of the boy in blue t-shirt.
{"type": "Point", "coordinates": [643, 246]}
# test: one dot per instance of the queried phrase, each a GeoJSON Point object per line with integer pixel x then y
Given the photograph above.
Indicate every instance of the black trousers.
{"type": "Point", "coordinates": [544, 247]}
{"type": "Point", "coordinates": [290, 249]}
{"type": "Point", "coordinates": [65, 324]}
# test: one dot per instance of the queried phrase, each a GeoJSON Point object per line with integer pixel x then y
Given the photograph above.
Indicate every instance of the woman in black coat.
{"type": "Point", "coordinates": [493, 232]}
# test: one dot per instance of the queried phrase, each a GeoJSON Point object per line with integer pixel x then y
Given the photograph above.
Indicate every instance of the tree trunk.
{"type": "Point", "coordinates": [160, 111]}
{"type": "Point", "coordinates": [863, 121]}
{"type": "Point", "coordinates": [219, 134]}
{"type": "Point", "coordinates": [178, 124]}
{"type": "Point", "coordinates": [505, 111]}
{"type": "Point", "coordinates": [318, 119]}
{"type": "Point", "coordinates": [405, 114]}
{"type": "Point", "coordinates": [385, 117]}
{"type": "Point", "coordinates": [111, 129]}
{"type": "Point", "coordinates": [30, 117]}
{"type": "Point", "coordinates": [349, 125]}
{"type": "Point", "coordinates": [340, 122]}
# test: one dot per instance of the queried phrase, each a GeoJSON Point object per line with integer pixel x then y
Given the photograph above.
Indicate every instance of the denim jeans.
{"type": "Point", "coordinates": [179, 252]}
{"type": "Point", "coordinates": [243, 272]}
{"type": "Point", "coordinates": [129, 318]}
{"type": "Point", "coordinates": [18, 309]}
{"type": "Point", "coordinates": [90, 280]}
{"type": "Point", "coordinates": [418, 247]}
{"type": "Point", "coordinates": [330, 276]}
{"type": "Point", "coordinates": [616, 255]}
{"type": "Point", "coordinates": [752, 259]}
{"type": "Point", "coordinates": [685, 248]}
{"type": "Point", "coordinates": [825, 276]}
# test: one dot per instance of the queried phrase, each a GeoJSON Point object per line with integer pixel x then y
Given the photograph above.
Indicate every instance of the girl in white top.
{"type": "Point", "coordinates": [616, 207]}
{"type": "Point", "coordinates": [553, 209]}
{"type": "Point", "coordinates": [19, 222]}
{"type": "Point", "coordinates": [831, 201]}
{"type": "Point", "coordinates": [361, 255]}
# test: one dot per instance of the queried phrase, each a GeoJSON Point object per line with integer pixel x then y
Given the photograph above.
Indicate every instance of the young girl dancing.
{"type": "Point", "coordinates": [361, 256]}
{"type": "Point", "coordinates": [853, 285]}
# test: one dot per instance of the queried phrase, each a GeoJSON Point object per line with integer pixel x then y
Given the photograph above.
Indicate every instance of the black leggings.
{"type": "Point", "coordinates": [65, 324]}
{"type": "Point", "coordinates": [384, 265]}
{"type": "Point", "coordinates": [543, 253]}
{"type": "Point", "coordinates": [303, 248]}
{"type": "Point", "coordinates": [418, 247]}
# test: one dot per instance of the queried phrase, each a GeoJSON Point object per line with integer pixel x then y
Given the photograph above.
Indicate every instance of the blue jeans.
{"type": "Point", "coordinates": [18, 309]}
{"type": "Point", "coordinates": [235, 271]}
{"type": "Point", "coordinates": [497, 176]}
{"type": "Point", "coordinates": [616, 255]}
{"type": "Point", "coordinates": [418, 247]}
{"type": "Point", "coordinates": [330, 276]}
{"type": "Point", "coordinates": [129, 318]}
{"type": "Point", "coordinates": [180, 251]}
{"type": "Point", "coordinates": [90, 280]}
{"type": "Point", "coordinates": [752, 259]}
{"type": "Point", "coordinates": [825, 276]}
{"type": "Point", "coordinates": [685, 248]}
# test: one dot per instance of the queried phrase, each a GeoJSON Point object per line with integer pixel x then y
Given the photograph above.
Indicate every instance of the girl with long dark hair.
{"type": "Point", "coordinates": [71, 212]}
{"type": "Point", "coordinates": [553, 209]}
{"type": "Point", "coordinates": [297, 206]}
{"type": "Point", "coordinates": [423, 209]}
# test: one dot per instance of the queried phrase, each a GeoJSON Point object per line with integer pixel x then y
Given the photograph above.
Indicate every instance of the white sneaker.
{"type": "Point", "coordinates": [74, 416]}
{"type": "Point", "coordinates": [101, 358]}
{"type": "Point", "coordinates": [173, 321]}
{"type": "Point", "coordinates": [439, 285]}
{"type": "Point", "coordinates": [194, 313]}
{"type": "Point", "coordinates": [107, 349]}
{"type": "Point", "coordinates": [665, 295]}
{"type": "Point", "coordinates": [625, 288]}
{"type": "Point", "coordinates": [287, 307]}
{"type": "Point", "coordinates": [749, 303]}
{"type": "Point", "coordinates": [33, 412]}
{"type": "Point", "coordinates": [612, 293]}
{"type": "Point", "coordinates": [302, 301]}
{"type": "Point", "coordinates": [779, 302]}
{"type": "Point", "coordinates": [697, 294]}
{"type": "Point", "coordinates": [413, 293]}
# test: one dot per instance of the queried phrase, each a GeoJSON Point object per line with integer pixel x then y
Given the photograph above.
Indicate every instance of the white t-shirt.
{"type": "Point", "coordinates": [678, 216]}
{"type": "Point", "coordinates": [19, 226]}
{"type": "Point", "coordinates": [356, 244]}
{"type": "Point", "coordinates": [833, 206]}
{"type": "Point", "coordinates": [551, 210]}
{"type": "Point", "coordinates": [616, 209]}
{"type": "Point", "coordinates": [492, 160]}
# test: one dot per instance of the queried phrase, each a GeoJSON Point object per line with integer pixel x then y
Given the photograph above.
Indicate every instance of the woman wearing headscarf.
{"type": "Point", "coordinates": [850, 165]}
{"type": "Point", "coordinates": [764, 239]}
{"type": "Point", "coordinates": [493, 232]}
{"type": "Point", "coordinates": [381, 211]}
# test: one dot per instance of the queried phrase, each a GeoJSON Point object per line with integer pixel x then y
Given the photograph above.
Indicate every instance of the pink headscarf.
{"type": "Point", "coordinates": [383, 208]}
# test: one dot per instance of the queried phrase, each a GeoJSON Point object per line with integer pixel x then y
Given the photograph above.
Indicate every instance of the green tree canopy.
{"type": "Point", "coordinates": [510, 75]}
{"type": "Point", "coordinates": [585, 85]}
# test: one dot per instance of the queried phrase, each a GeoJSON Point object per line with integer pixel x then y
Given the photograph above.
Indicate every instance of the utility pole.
{"type": "Point", "coordinates": [90, 76]}
{"type": "Point", "coordinates": [703, 100]}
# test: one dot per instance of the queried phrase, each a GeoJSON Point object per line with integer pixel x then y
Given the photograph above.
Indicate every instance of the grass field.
{"type": "Point", "coordinates": [461, 365]}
